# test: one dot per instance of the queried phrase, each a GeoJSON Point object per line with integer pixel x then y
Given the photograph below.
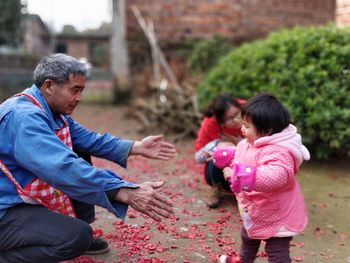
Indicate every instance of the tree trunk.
{"type": "Point", "coordinates": [119, 53]}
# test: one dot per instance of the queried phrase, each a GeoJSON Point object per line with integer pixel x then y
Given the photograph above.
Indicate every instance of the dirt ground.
{"type": "Point", "coordinates": [199, 234]}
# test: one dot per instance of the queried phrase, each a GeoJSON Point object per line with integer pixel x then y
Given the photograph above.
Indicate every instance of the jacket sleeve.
{"type": "Point", "coordinates": [104, 146]}
{"type": "Point", "coordinates": [38, 151]}
{"type": "Point", "coordinates": [275, 165]}
{"type": "Point", "coordinates": [208, 132]}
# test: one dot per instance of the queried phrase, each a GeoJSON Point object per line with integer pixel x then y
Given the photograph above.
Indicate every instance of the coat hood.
{"type": "Point", "coordinates": [288, 138]}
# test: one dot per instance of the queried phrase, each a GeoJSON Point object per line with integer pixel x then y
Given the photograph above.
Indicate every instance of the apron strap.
{"type": "Point", "coordinates": [37, 103]}
{"type": "Point", "coordinates": [9, 175]}
{"type": "Point", "coordinates": [31, 98]}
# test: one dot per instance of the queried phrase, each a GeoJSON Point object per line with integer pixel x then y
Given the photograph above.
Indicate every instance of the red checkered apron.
{"type": "Point", "coordinates": [37, 191]}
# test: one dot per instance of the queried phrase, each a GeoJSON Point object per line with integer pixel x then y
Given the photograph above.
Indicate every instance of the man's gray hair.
{"type": "Point", "coordinates": [58, 68]}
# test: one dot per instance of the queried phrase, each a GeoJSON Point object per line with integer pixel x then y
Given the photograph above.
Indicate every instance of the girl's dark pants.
{"type": "Point", "coordinates": [276, 248]}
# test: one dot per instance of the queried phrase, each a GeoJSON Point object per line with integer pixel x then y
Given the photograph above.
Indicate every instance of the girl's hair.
{"type": "Point", "coordinates": [58, 68]}
{"type": "Point", "coordinates": [267, 114]}
{"type": "Point", "coordinates": [220, 105]}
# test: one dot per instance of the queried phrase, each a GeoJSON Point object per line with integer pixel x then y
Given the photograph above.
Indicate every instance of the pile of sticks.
{"type": "Point", "coordinates": [173, 107]}
{"type": "Point", "coordinates": [169, 111]}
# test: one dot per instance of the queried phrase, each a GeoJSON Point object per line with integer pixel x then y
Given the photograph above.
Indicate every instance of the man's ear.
{"type": "Point", "coordinates": [47, 86]}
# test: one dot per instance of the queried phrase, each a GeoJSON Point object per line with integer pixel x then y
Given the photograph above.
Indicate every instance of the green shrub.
{"type": "Point", "coordinates": [206, 53]}
{"type": "Point", "coordinates": [100, 55]}
{"type": "Point", "coordinates": [308, 69]}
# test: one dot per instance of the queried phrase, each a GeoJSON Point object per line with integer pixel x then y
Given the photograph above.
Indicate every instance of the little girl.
{"type": "Point", "coordinates": [262, 176]}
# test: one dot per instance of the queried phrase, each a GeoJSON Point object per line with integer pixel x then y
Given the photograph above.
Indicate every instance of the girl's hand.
{"type": "Point", "coordinates": [227, 173]}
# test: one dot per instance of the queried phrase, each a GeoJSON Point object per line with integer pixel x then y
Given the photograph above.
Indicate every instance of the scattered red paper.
{"type": "Point", "coordinates": [298, 258]}
{"type": "Point", "coordinates": [97, 232]}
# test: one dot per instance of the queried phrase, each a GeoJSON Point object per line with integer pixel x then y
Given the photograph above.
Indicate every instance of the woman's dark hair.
{"type": "Point", "coordinates": [220, 105]}
{"type": "Point", "coordinates": [268, 115]}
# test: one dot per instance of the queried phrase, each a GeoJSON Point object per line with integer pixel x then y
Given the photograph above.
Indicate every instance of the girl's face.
{"type": "Point", "coordinates": [249, 130]}
{"type": "Point", "coordinates": [232, 117]}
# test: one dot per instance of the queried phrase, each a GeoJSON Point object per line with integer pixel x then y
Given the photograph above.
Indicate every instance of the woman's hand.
{"type": "Point", "coordinates": [208, 156]}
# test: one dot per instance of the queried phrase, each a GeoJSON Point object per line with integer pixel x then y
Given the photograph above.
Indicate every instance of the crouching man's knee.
{"type": "Point", "coordinates": [77, 243]}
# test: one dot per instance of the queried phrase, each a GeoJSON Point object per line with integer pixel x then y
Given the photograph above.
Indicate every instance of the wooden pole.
{"type": "Point", "coordinates": [148, 29]}
{"type": "Point", "coordinates": [119, 53]}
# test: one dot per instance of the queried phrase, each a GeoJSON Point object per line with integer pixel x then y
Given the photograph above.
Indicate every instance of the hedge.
{"type": "Point", "coordinates": [308, 69]}
{"type": "Point", "coordinates": [206, 53]}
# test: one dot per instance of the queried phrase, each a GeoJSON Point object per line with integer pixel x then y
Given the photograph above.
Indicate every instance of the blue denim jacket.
{"type": "Point", "coordinates": [30, 148]}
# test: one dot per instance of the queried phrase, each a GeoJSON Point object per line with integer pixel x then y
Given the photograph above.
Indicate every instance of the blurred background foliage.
{"type": "Point", "coordinates": [10, 22]}
{"type": "Point", "coordinates": [207, 52]}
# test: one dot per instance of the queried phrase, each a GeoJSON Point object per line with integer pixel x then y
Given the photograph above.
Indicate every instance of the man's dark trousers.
{"type": "Point", "coordinates": [32, 233]}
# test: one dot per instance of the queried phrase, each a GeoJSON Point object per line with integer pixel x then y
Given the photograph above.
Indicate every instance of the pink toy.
{"type": "Point", "coordinates": [243, 177]}
{"type": "Point", "coordinates": [223, 156]}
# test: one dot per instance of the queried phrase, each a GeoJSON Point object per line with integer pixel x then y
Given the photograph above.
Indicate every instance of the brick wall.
{"type": "Point", "coordinates": [239, 20]}
{"type": "Point", "coordinates": [78, 48]}
{"type": "Point", "coordinates": [176, 20]}
{"type": "Point", "coordinates": [80, 45]}
{"type": "Point", "coordinates": [263, 16]}
{"type": "Point", "coordinates": [343, 13]}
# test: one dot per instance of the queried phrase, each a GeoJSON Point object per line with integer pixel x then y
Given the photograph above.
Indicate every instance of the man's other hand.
{"type": "Point", "coordinates": [147, 199]}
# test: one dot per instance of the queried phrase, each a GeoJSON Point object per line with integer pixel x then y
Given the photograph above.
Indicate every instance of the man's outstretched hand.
{"type": "Point", "coordinates": [154, 147]}
{"type": "Point", "coordinates": [147, 199]}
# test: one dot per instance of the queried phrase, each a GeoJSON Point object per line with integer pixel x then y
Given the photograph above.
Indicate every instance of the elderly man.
{"type": "Point", "coordinates": [47, 192]}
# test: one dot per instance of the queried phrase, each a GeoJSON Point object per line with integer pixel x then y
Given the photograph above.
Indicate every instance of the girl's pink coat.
{"type": "Point", "coordinates": [277, 199]}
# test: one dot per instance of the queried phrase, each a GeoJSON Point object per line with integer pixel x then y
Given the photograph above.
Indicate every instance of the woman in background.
{"type": "Point", "coordinates": [222, 123]}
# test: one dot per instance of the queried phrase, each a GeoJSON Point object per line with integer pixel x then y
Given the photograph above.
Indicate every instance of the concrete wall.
{"type": "Point", "coordinates": [343, 13]}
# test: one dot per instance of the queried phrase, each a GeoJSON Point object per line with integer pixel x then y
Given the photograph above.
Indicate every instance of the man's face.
{"type": "Point", "coordinates": [63, 98]}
